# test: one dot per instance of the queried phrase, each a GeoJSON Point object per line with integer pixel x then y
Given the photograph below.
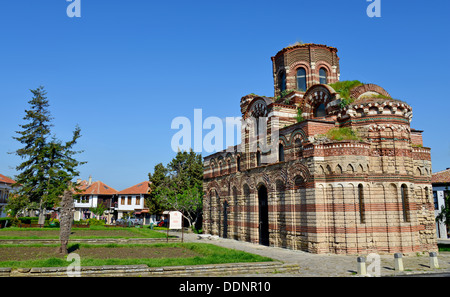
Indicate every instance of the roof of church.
{"type": "Point", "coordinates": [304, 45]}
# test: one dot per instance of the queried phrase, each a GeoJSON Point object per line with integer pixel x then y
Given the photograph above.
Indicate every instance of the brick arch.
{"type": "Point", "coordinates": [328, 68]}
{"type": "Point", "coordinates": [213, 185]}
{"type": "Point", "coordinates": [292, 74]}
{"type": "Point", "coordinates": [358, 91]}
{"type": "Point", "coordinates": [299, 133]}
{"type": "Point", "coordinates": [316, 95]}
{"type": "Point", "coordinates": [299, 170]}
{"type": "Point", "coordinates": [255, 101]}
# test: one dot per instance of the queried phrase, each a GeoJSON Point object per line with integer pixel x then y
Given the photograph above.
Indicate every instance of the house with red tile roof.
{"type": "Point", "coordinates": [5, 188]}
{"type": "Point", "coordinates": [441, 188]}
{"type": "Point", "coordinates": [131, 200]}
{"type": "Point", "coordinates": [92, 194]}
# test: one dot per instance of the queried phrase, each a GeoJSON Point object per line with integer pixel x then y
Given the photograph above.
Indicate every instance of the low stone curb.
{"type": "Point", "coordinates": [144, 270]}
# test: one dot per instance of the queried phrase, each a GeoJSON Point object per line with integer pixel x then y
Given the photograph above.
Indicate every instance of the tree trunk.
{"type": "Point", "coordinates": [41, 220]}
{"type": "Point", "coordinates": [65, 221]}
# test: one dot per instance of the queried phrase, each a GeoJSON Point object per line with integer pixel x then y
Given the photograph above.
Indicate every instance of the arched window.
{"type": "Point", "coordinates": [320, 111]}
{"type": "Point", "coordinates": [404, 192]}
{"type": "Point", "coordinates": [280, 153]}
{"type": "Point", "coordinates": [323, 76]}
{"type": "Point", "coordinates": [258, 158]}
{"type": "Point", "coordinates": [301, 79]}
{"type": "Point", "coordinates": [282, 81]}
{"type": "Point", "coordinates": [238, 161]}
{"type": "Point", "coordinates": [361, 204]}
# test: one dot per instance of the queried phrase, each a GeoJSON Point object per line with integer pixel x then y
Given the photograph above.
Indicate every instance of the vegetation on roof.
{"type": "Point", "coordinates": [344, 133]}
{"type": "Point", "coordinates": [344, 88]}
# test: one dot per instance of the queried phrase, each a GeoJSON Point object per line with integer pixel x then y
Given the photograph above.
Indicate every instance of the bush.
{"type": "Point", "coordinates": [95, 222]}
{"type": "Point", "coordinates": [5, 222]}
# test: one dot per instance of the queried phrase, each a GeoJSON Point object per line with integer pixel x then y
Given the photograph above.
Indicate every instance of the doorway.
{"type": "Point", "coordinates": [263, 216]}
{"type": "Point", "coordinates": [225, 220]}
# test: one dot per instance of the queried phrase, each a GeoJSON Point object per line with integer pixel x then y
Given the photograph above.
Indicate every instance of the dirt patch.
{"type": "Point", "coordinates": [74, 234]}
{"type": "Point", "coordinates": [31, 253]}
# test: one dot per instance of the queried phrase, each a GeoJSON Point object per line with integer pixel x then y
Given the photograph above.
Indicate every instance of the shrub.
{"type": "Point", "coordinates": [95, 222]}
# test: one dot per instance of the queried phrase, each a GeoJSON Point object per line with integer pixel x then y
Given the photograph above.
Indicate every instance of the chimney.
{"type": "Point", "coordinates": [90, 180]}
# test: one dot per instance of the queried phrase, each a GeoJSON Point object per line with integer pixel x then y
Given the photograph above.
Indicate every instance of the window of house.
{"type": "Point", "coordinates": [122, 200]}
{"type": "Point", "coordinates": [138, 200]}
{"type": "Point", "coordinates": [435, 198]}
{"type": "Point", "coordinates": [301, 79]}
{"type": "Point", "coordinates": [323, 76]}
{"type": "Point", "coordinates": [129, 200]}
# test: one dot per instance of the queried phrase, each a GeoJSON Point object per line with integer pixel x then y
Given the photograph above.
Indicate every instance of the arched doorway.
{"type": "Point", "coordinates": [225, 220]}
{"type": "Point", "coordinates": [263, 216]}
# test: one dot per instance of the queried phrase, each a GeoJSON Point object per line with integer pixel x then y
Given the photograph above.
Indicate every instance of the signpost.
{"type": "Point", "coordinates": [175, 222]}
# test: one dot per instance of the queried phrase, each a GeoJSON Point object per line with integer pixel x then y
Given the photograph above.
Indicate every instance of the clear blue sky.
{"type": "Point", "coordinates": [125, 69]}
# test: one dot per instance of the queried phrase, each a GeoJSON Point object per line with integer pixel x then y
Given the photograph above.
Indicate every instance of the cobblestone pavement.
{"type": "Point", "coordinates": [329, 265]}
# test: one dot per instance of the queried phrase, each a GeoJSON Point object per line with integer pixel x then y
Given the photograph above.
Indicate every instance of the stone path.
{"type": "Point", "coordinates": [328, 265]}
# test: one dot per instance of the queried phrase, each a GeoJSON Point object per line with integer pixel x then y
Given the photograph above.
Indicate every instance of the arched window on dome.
{"type": "Point", "coordinates": [323, 76]}
{"type": "Point", "coordinates": [282, 81]}
{"type": "Point", "coordinates": [301, 79]}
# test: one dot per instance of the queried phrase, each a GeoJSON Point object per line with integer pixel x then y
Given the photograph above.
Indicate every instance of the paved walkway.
{"type": "Point", "coordinates": [327, 265]}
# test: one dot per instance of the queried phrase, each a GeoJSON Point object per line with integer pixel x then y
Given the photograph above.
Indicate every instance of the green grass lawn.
{"type": "Point", "coordinates": [175, 254]}
{"type": "Point", "coordinates": [78, 233]}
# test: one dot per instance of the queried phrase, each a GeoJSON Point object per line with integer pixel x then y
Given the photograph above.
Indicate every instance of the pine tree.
{"type": "Point", "coordinates": [49, 164]}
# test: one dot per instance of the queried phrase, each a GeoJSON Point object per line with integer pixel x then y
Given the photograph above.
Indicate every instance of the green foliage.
{"type": "Point", "coordinates": [99, 210]}
{"type": "Point", "coordinates": [344, 88]}
{"type": "Point", "coordinates": [206, 254]}
{"type": "Point", "coordinates": [342, 134]}
{"type": "Point", "coordinates": [299, 116]}
{"type": "Point", "coordinates": [95, 222]}
{"type": "Point", "coordinates": [179, 185]}
{"type": "Point", "coordinates": [444, 215]}
{"type": "Point", "coordinates": [48, 164]}
{"type": "Point", "coordinates": [283, 94]}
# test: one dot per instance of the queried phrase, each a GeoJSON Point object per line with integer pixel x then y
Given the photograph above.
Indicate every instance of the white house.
{"type": "Point", "coordinates": [131, 200]}
{"type": "Point", "coordinates": [5, 188]}
{"type": "Point", "coordinates": [92, 195]}
{"type": "Point", "coordinates": [441, 187]}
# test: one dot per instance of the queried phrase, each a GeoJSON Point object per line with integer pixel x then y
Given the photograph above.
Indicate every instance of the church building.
{"type": "Point", "coordinates": [345, 174]}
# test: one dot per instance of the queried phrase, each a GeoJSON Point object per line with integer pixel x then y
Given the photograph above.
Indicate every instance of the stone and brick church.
{"type": "Point", "coordinates": [370, 192]}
